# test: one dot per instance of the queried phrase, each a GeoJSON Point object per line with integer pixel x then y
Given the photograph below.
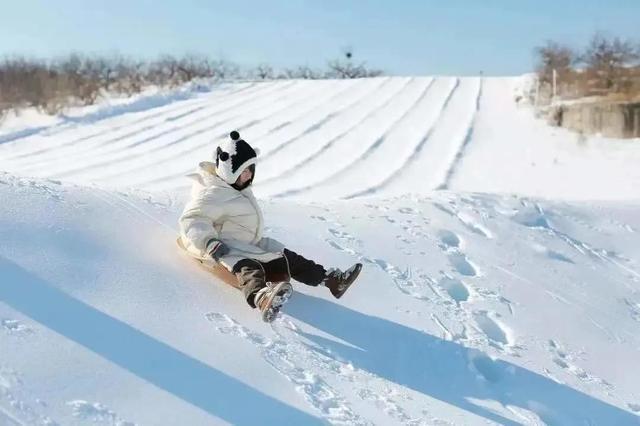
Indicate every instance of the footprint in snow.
{"type": "Point", "coordinates": [420, 287]}
{"type": "Point", "coordinates": [15, 327]}
{"type": "Point", "coordinates": [405, 240]}
{"type": "Point", "coordinates": [496, 332]}
{"type": "Point", "coordinates": [14, 409]}
{"type": "Point", "coordinates": [531, 217]}
{"type": "Point", "coordinates": [347, 250]}
{"type": "Point", "coordinates": [487, 368]}
{"type": "Point", "coordinates": [388, 218]}
{"type": "Point", "coordinates": [634, 309]}
{"type": "Point", "coordinates": [454, 288]}
{"type": "Point", "coordinates": [468, 221]}
{"type": "Point", "coordinates": [551, 254]}
{"type": "Point", "coordinates": [342, 235]}
{"type": "Point", "coordinates": [486, 293]}
{"type": "Point", "coordinates": [96, 413]}
{"type": "Point", "coordinates": [462, 265]}
{"type": "Point", "coordinates": [289, 357]}
{"type": "Point", "coordinates": [564, 360]}
{"type": "Point", "coordinates": [408, 210]}
{"type": "Point", "coordinates": [449, 240]}
{"type": "Point", "coordinates": [474, 226]}
{"type": "Point", "coordinates": [384, 403]}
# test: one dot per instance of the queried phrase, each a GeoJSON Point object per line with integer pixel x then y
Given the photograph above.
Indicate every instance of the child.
{"type": "Point", "coordinates": [223, 223]}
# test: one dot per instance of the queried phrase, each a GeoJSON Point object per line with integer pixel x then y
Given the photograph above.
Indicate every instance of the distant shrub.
{"type": "Point", "coordinates": [346, 68]}
{"type": "Point", "coordinates": [263, 72]}
{"type": "Point", "coordinates": [78, 79]}
{"type": "Point", "coordinates": [553, 56]}
{"type": "Point", "coordinates": [607, 66]}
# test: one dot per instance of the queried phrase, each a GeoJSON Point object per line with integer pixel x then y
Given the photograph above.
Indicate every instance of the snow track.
{"type": "Point", "coordinates": [466, 140]}
{"type": "Point", "coordinates": [361, 144]}
{"type": "Point", "coordinates": [411, 154]}
{"type": "Point", "coordinates": [327, 139]}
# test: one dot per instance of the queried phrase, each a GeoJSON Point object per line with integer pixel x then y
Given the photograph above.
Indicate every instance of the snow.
{"type": "Point", "coordinates": [501, 279]}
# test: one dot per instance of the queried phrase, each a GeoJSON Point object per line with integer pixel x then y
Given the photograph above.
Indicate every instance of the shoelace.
{"type": "Point", "coordinates": [261, 294]}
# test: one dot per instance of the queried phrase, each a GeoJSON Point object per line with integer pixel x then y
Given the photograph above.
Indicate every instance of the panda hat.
{"type": "Point", "coordinates": [232, 157]}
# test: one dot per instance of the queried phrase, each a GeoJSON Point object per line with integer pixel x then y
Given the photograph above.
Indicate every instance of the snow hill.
{"type": "Point", "coordinates": [502, 262]}
{"type": "Point", "coordinates": [380, 136]}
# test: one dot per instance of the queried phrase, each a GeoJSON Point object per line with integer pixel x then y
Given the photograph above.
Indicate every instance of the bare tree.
{"type": "Point", "coordinates": [306, 72]}
{"type": "Point", "coordinates": [553, 56]}
{"type": "Point", "coordinates": [223, 69]}
{"type": "Point", "coordinates": [301, 72]}
{"type": "Point", "coordinates": [346, 68]}
{"type": "Point", "coordinates": [131, 76]}
{"type": "Point", "coordinates": [193, 66]}
{"type": "Point", "coordinates": [263, 72]}
{"type": "Point", "coordinates": [607, 58]}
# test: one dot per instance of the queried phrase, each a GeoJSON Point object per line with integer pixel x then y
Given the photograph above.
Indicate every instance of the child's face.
{"type": "Point", "coordinates": [244, 177]}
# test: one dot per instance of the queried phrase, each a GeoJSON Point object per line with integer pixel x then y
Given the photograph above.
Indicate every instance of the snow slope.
{"type": "Point", "coordinates": [474, 307]}
{"type": "Point", "coordinates": [382, 136]}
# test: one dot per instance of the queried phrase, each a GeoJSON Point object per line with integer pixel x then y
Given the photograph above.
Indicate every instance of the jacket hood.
{"type": "Point", "coordinates": [207, 176]}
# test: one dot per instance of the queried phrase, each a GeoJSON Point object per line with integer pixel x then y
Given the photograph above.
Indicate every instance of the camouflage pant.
{"type": "Point", "coordinates": [253, 275]}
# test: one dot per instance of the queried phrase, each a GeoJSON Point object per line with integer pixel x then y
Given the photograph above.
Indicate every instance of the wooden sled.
{"type": "Point", "coordinates": [216, 269]}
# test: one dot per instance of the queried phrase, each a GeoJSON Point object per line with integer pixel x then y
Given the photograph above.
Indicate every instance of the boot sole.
{"type": "Point", "coordinates": [283, 292]}
{"type": "Point", "coordinates": [354, 276]}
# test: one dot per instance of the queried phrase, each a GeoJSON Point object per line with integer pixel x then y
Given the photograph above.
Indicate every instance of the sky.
{"type": "Point", "coordinates": [401, 37]}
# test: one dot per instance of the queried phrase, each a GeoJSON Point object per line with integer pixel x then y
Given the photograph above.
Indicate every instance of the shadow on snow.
{"type": "Point", "coordinates": [167, 368]}
{"type": "Point", "coordinates": [446, 370]}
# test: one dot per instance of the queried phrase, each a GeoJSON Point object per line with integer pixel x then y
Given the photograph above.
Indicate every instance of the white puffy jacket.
{"type": "Point", "coordinates": [217, 210]}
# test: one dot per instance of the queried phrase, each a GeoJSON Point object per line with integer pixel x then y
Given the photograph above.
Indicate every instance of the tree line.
{"type": "Point", "coordinates": [606, 66]}
{"type": "Point", "coordinates": [77, 79]}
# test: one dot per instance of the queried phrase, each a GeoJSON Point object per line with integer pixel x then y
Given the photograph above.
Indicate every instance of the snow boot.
{"type": "Point", "coordinates": [339, 282]}
{"type": "Point", "coordinates": [270, 299]}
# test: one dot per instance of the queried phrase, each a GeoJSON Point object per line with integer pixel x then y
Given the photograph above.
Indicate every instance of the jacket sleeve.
{"type": "Point", "coordinates": [198, 217]}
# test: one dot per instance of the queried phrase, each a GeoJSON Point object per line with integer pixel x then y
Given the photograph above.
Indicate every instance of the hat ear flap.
{"type": "Point", "coordinates": [221, 155]}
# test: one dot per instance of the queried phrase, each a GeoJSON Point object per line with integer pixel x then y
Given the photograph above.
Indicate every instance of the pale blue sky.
{"type": "Point", "coordinates": [401, 37]}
